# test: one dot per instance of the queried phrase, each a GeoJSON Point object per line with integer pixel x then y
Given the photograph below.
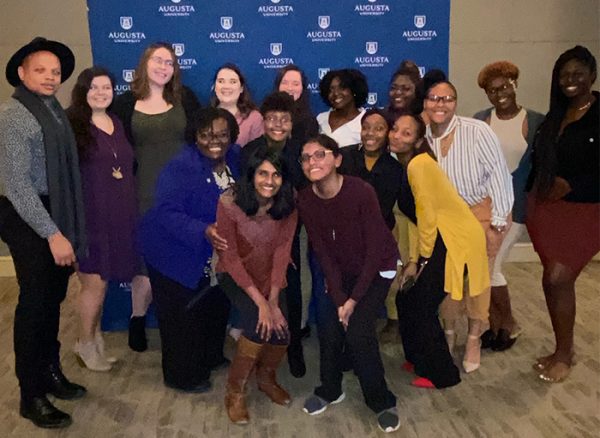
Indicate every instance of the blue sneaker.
{"type": "Point", "coordinates": [388, 420]}
{"type": "Point", "coordinates": [314, 405]}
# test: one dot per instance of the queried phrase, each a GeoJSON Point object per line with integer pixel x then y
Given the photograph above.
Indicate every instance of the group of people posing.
{"type": "Point", "coordinates": [410, 207]}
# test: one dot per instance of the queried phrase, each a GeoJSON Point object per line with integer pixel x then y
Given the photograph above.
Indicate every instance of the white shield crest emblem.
{"type": "Point", "coordinates": [371, 47]}
{"type": "Point", "coordinates": [276, 49]}
{"type": "Point", "coordinates": [226, 22]}
{"type": "Point", "coordinates": [420, 21]}
{"type": "Point", "coordinates": [323, 72]}
{"type": "Point", "coordinates": [324, 21]}
{"type": "Point", "coordinates": [422, 70]}
{"type": "Point", "coordinates": [175, 1]}
{"type": "Point", "coordinates": [179, 49]}
{"type": "Point", "coordinates": [372, 1]}
{"type": "Point", "coordinates": [128, 75]}
{"type": "Point", "coordinates": [126, 23]}
{"type": "Point", "coordinates": [372, 98]}
{"type": "Point", "coordinates": [275, 1]}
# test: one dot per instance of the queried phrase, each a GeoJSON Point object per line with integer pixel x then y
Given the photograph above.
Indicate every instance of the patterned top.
{"type": "Point", "coordinates": [23, 166]}
{"type": "Point", "coordinates": [475, 165]}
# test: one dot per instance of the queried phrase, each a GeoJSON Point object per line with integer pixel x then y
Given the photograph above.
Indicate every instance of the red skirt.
{"type": "Point", "coordinates": [564, 232]}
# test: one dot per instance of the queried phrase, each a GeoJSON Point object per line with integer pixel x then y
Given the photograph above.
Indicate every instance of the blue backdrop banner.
{"type": "Point", "coordinates": [261, 36]}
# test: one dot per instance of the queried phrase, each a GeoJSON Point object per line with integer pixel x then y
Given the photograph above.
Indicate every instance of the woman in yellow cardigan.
{"type": "Point", "coordinates": [451, 244]}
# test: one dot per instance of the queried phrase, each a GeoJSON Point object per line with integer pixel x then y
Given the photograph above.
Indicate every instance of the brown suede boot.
{"type": "Point", "coordinates": [241, 367]}
{"type": "Point", "coordinates": [266, 373]}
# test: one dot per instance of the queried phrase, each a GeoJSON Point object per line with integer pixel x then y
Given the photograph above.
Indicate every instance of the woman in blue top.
{"type": "Point", "coordinates": [176, 244]}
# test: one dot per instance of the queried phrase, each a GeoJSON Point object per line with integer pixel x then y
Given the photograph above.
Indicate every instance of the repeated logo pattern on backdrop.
{"type": "Point", "coordinates": [264, 35]}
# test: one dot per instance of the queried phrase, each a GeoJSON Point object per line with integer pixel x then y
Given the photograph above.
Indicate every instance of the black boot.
{"type": "Point", "coordinates": [296, 358]}
{"type": "Point", "coordinates": [59, 386]}
{"type": "Point", "coordinates": [43, 413]}
{"type": "Point", "coordinates": [137, 333]}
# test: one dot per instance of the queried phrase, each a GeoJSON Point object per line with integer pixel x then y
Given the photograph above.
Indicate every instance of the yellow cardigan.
{"type": "Point", "coordinates": [440, 207]}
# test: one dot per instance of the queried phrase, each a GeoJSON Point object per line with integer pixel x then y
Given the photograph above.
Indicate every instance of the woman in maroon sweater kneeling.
{"type": "Point", "coordinates": [358, 255]}
{"type": "Point", "coordinates": [258, 220]}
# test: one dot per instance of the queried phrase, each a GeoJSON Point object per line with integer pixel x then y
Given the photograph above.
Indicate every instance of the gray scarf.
{"type": "Point", "coordinates": [62, 167]}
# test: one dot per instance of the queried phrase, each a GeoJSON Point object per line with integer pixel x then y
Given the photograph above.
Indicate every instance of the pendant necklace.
{"type": "Point", "coordinates": [116, 170]}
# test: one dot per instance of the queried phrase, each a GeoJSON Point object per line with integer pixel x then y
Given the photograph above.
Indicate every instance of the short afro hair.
{"type": "Point", "coordinates": [498, 69]}
{"type": "Point", "coordinates": [349, 78]}
{"type": "Point", "coordinates": [278, 101]}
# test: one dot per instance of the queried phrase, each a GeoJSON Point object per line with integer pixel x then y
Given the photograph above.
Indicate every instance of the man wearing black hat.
{"type": "Point", "coordinates": [41, 220]}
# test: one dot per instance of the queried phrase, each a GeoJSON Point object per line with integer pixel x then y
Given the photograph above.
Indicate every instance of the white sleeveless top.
{"type": "Point", "coordinates": [510, 134]}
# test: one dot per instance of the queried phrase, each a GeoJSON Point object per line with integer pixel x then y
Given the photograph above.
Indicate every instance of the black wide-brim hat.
{"type": "Point", "coordinates": [39, 44]}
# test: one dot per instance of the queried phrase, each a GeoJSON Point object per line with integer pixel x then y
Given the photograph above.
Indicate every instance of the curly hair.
{"type": "Point", "coordinates": [349, 78]}
{"type": "Point", "coordinates": [277, 101]}
{"type": "Point", "coordinates": [498, 69]}
{"type": "Point", "coordinates": [245, 193]}
{"type": "Point", "coordinates": [79, 112]}
{"type": "Point", "coordinates": [203, 119]}
{"type": "Point", "coordinates": [245, 104]}
{"type": "Point", "coordinates": [140, 86]}
{"type": "Point", "coordinates": [325, 141]}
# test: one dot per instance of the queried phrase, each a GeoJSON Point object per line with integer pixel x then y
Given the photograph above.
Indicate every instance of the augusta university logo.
{"type": "Point", "coordinates": [313, 87]}
{"type": "Point", "coordinates": [323, 35]}
{"type": "Point", "coordinates": [224, 35]}
{"type": "Point", "coordinates": [226, 23]}
{"type": "Point", "coordinates": [126, 22]}
{"type": "Point", "coordinates": [184, 63]}
{"type": "Point", "coordinates": [372, 48]}
{"type": "Point", "coordinates": [175, 9]}
{"type": "Point", "coordinates": [419, 34]}
{"type": "Point", "coordinates": [128, 75]}
{"type": "Point", "coordinates": [371, 8]}
{"type": "Point", "coordinates": [276, 49]}
{"type": "Point", "coordinates": [275, 9]}
{"type": "Point", "coordinates": [124, 35]}
{"type": "Point", "coordinates": [372, 98]}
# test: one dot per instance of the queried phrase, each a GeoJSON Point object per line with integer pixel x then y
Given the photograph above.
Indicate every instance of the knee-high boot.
{"type": "Point", "coordinates": [241, 367]}
{"type": "Point", "coordinates": [266, 373]}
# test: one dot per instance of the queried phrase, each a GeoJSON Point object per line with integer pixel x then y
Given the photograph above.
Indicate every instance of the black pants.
{"type": "Point", "coordinates": [422, 335]}
{"type": "Point", "coordinates": [360, 339]}
{"type": "Point", "coordinates": [248, 312]}
{"type": "Point", "coordinates": [293, 291]}
{"type": "Point", "coordinates": [192, 328]}
{"type": "Point", "coordinates": [42, 287]}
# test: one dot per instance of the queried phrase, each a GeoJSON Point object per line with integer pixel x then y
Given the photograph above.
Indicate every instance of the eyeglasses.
{"type": "Point", "coordinates": [206, 137]}
{"type": "Point", "coordinates": [504, 87]}
{"type": "Point", "coordinates": [273, 120]}
{"type": "Point", "coordinates": [445, 99]}
{"type": "Point", "coordinates": [317, 155]}
{"type": "Point", "coordinates": [160, 61]}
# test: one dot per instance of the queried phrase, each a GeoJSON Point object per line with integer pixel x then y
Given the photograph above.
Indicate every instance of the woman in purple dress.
{"type": "Point", "coordinates": [106, 163]}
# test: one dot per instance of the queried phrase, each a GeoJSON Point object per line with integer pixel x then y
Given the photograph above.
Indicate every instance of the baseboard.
{"type": "Point", "coordinates": [7, 269]}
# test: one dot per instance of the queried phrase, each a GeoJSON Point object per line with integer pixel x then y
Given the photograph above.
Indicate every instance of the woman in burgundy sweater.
{"type": "Point", "coordinates": [258, 220]}
{"type": "Point", "coordinates": [359, 256]}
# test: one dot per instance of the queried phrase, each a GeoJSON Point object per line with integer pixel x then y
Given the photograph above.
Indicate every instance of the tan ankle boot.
{"type": "Point", "coordinates": [88, 356]}
{"type": "Point", "coordinates": [266, 373]}
{"type": "Point", "coordinates": [241, 367]}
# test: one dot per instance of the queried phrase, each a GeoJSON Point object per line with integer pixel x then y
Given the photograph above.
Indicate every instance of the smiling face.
{"type": "Point", "coordinates": [278, 125]}
{"type": "Point", "coordinates": [373, 134]}
{"type": "Point", "coordinates": [501, 93]}
{"type": "Point", "coordinates": [576, 79]}
{"type": "Point", "coordinates": [319, 163]}
{"type": "Point", "coordinates": [403, 135]}
{"type": "Point", "coordinates": [214, 141]}
{"type": "Point", "coordinates": [340, 97]}
{"type": "Point", "coordinates": [160, 67]}
{"type": "Point", "coordinates": [100, 94]}
{"type": "Point", "coordinates": [402, 92]}
{"type": "Point", "coordinates": [291, 83]}
{"type": "Point", "coordinates": [228, 86]}
{"type": "Point", "coordinates": [440, 111]}
{"type": "Point", "coordinates": [267, 181]}
{"type": "Point", "coordinates": [40, 73]}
